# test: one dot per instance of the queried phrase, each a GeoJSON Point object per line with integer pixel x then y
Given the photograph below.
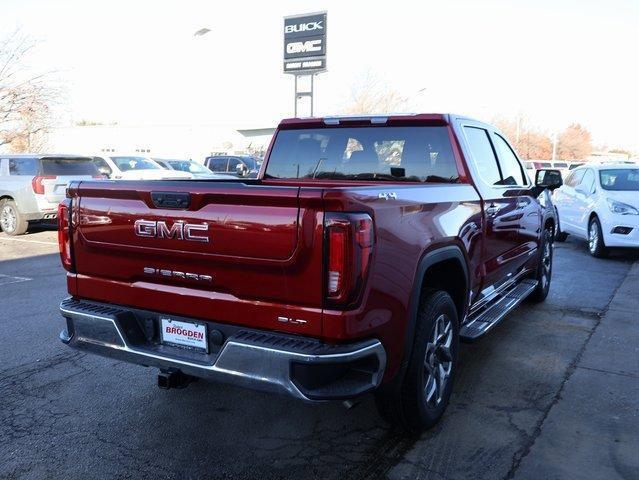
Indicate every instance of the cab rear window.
{"type": "Point", "coordinates": [68, 166]}
{"type": "Point", "coordinates": [421, 154]}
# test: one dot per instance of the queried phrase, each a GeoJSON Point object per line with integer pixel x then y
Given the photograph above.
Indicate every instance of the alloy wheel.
{"type": "Point", "coordinates": [546, 264]}
{"type": "Point", "coordinates": [8, 219]}
{"type": "Point", "coordinates": [593, 237]}
{"type": "Point", "coordinates": [438, 361]}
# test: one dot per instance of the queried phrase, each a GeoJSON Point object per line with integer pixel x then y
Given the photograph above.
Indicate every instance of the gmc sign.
{"type": "Point", "coordinates": [305, 43]}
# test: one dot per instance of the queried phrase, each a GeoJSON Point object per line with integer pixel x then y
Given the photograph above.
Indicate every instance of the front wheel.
{"type": "Point", "coordinates": [596, 245]}
{"type": "Point", "coordinates": [12, 221]}
{"type": "Point", "coordinates": [544, 268]}
{"type": "Point", "coordinates": [418, 401]}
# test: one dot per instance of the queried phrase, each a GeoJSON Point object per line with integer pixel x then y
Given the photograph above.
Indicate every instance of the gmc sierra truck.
{"type": "Point", "coordinates": [365, 250]}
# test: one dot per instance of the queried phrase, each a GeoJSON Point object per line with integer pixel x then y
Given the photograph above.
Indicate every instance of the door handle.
{"type": "Point", "coordinates": [522, 203]}
{"type": "Point", "coordinates": [492, 210]}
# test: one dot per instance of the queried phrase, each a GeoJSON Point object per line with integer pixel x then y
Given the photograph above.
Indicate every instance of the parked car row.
{"type": "Point", "coordinates": [32, 185]}
{"type": "Point", "coordinates": [563, 166]}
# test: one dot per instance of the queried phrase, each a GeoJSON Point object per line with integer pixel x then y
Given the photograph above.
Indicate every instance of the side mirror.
{"type": "Point", "coordinates": [547, 178]}
{"type": "Point", "coordinates": [104, 171]}
{"type": "Point", "coordinates": [241, 170]}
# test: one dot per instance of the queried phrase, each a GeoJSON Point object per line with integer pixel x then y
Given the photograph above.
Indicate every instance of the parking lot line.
{"type": "Point", "coordinates": [27, 241]}
{"type": "Point", "coordinates": [6, 279]}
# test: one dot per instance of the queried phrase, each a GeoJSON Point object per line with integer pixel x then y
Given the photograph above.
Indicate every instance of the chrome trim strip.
{"type": "Point", "coordinates": [513, 302]}
{"type": "Point", "coordinates": [501, 289]}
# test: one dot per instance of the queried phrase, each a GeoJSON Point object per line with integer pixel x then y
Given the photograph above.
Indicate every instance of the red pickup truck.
{"type": "Point", "coordinates": [365, 250]}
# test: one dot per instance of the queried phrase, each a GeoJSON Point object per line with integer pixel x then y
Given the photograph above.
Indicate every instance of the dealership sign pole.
{"type": "Point", "coordinates": [305, 50]}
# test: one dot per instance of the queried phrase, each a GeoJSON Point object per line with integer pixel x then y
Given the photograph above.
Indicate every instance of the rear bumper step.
{"type": "Point", "coordinates": [303, 368]}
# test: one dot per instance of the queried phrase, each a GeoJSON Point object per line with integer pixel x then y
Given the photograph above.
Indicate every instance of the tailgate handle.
{"type": "Point", "coordinates": [171, 199]}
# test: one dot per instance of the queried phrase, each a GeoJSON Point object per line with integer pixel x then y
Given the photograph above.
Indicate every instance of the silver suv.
{"type": "Point", "coordinates": [32, 185]}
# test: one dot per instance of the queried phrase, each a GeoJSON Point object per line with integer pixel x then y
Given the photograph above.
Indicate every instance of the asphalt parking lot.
{"type": "Point", "coordinates": [553, 392]}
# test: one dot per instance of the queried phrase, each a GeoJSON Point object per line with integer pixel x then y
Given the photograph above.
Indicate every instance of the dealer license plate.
{"type": "Point", "coordinates": [184, 334]}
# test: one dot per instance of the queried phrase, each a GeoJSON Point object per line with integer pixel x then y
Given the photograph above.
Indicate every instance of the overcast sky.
{"type": "Point", "coordinates": [138, 62]}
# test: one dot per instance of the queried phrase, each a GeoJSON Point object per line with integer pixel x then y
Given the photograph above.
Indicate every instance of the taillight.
{"type": "Point", "coordinates": [36, 183]}
{"type": "Point", "coordinates": [64, 234]}
{"type": "Point", "coordinates": [349, 247]}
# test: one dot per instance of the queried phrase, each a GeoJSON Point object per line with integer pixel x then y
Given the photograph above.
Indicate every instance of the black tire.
{"type": "Point", "coordinates": [544, 268]}
{"type": "Point", "coordinates": [596, 245]}
{"type": "Point", "coordinates": [12, 221]}
{"type": "Point", "coordinates": [559, 235]}
{"type": "Point", "coordinates": [417, 400]}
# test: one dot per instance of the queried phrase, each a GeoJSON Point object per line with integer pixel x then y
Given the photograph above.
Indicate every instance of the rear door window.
{"type": "Point", "coordinates": [23, 166]}
{"type": "Point", "coordinates": [233, 163]}
{"type": "Point", "coordinates": [69, 166]}
{"type": "Point", "coordinates": [418, 154]}
{"type": "Point", "coordinates": [102, 165]}
{"type": "Point", "coordinates": [218, 164]}
{"type": "Point", "coordinates": [483, 155]}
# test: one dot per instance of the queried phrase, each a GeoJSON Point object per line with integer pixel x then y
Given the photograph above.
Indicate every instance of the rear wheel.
{"type": "Point", "coordinates": [12, 221]}
{"type": "Point", "coordinates": [418, 401]}
{"type": "Point", "coordinates": [596, 245]}
{"type": "Point", "coordinates": [544, 268]}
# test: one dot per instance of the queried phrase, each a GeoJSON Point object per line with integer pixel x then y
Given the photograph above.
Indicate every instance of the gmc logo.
{"type": "Point", "coordinates": [304, 47]}
{"type": "Point", "coordinates": [304, 27]}
{"type": "Point", "coordinates": [180, 230]}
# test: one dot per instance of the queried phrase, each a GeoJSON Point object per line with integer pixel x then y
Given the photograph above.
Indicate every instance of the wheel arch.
{"type": "Point", "coordinates": [449, 260]}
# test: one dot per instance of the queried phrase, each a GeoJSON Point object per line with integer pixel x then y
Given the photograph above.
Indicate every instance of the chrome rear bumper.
{"type": "Point", "coordinates": [303, 368]}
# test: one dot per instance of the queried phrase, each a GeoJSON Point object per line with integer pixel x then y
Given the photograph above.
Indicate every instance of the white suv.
{"type": "Point", "coordinates": [600, 203]}
{"type": "Point", "coordinates": [32, 185]}
{"type": "Point", "coordinates": [133, 167]}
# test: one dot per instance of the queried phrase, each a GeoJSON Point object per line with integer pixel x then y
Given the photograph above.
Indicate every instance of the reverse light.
{"type": "Point", "coordinates": [64, 234]}
{"type": "Point", "coordinates": [349, 246]}
{"type": "Point", "coordinates": [621, 208]}
{"type": "Point", "coordinates": [36, 183]}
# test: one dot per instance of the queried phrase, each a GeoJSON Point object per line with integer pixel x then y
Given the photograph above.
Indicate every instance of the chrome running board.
{"type": "Point", "coordinates": [487, 318]}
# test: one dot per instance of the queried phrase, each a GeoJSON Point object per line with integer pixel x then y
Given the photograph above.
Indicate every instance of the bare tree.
{"type": "Point", "coordinates": [26, 97]}
{"type": "Point", "coordinates": [574, 143]}
{"type": "Point", "coordinates": [530, 142]}
{"type": "Point", "coordinates": [370, 95]}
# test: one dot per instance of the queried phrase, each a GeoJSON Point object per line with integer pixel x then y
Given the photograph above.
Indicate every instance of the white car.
{"type": "Point", "coordinates": [600, 203]}
{"type": "Point", "coordinates": [132, 167]}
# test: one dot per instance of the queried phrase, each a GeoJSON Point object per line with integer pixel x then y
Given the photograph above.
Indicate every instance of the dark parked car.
{"type": "Point", "coordinates": [367, 249]}
{"type": "Point", "coordinates": [196, 169]}
{"type": "Point", "coordinates": [243, 166]}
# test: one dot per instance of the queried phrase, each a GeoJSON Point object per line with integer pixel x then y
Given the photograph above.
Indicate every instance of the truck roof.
{"type": "Point", "coordinates": [379, 119]}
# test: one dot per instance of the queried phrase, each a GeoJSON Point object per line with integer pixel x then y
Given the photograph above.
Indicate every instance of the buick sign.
{"type": "Point", "coordinates": [305, 43]}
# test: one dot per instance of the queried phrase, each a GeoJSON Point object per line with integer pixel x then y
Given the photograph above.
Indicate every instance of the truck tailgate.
{"type": "Point", "coordinates": [235, 246]}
